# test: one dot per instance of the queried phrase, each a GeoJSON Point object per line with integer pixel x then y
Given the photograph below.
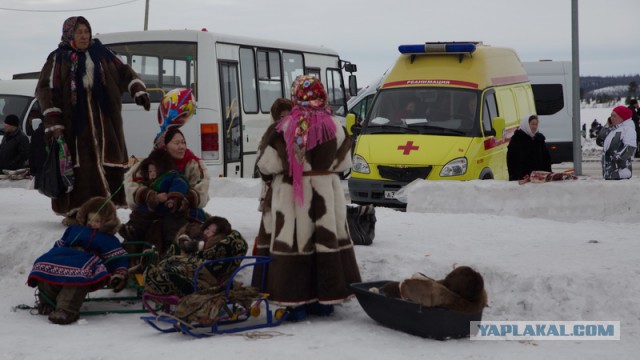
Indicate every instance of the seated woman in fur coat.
{"type": "Point", "coordinates": [86, 258]}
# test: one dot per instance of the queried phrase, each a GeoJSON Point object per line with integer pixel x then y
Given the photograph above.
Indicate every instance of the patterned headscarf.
{"type": "Point", "coordinates": [67, 52]}
{"type": "Point", "coordinates": [69, 27]}
{"type": "Point", "coordinates": [308, 124]}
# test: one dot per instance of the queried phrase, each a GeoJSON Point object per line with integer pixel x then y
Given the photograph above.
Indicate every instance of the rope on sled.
{"type": "Point", "coordinates": [258, 334]}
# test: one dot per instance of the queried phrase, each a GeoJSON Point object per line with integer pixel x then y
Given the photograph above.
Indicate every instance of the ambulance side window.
{"type": "Point", "coordinates": [489, 111]}
{"type": "Point", "coordinates": [360, 109]}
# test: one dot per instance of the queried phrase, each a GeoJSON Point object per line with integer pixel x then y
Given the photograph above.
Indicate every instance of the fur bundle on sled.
{"type": "Point", "coordinates": [462, 290]}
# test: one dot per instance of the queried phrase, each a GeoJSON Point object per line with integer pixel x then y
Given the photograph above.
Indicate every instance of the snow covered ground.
{"type": "Point", "coordinates": [556, 251]}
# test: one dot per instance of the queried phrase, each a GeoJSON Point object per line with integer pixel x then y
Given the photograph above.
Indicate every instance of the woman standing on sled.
{"type": "Point", "coordinates": [79, 91]}
{"type": "Point", "coordinates": [313, 257]}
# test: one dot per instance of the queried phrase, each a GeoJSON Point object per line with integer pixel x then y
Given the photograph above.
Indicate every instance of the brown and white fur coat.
{"type": "Point", "coordinates": [312, 252]}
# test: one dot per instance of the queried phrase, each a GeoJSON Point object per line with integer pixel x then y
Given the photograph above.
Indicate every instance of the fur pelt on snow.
{"type": "Point", "coordinates": [462, 290]}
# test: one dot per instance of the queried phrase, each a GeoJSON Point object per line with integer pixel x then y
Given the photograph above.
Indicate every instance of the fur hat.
{"type": "Point", "coordinates": [224, 227]}
{"type": "Point", "coordinates": [12, 120]}
{"type": "Point", "coordinates": [278, 106]}
{"type": "Point", "coordinates": [103, 207]}
{"type": "Point", "coordinates": [160, 158]}
{"type": "Point", "coordinates": [624, 112]}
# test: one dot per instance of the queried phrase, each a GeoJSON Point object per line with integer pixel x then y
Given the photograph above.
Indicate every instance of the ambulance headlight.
{"type": "Point", "coordinates": [360, 165]}
{"type": "Point", "coordinates": [454, 168]}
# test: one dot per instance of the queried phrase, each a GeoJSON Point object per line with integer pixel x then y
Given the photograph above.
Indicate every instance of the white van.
{"type": "Point", "coordinates": [552, 92]}
{"type": "Point", "coordinates": [18, 97]}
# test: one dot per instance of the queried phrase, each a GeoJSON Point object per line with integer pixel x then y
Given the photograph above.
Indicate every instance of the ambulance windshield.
{"type": "Point", "coordinates": [432, 110]}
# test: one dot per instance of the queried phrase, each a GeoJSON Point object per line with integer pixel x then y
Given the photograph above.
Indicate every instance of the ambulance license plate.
{"type": "Point", "coordinates": [389, 194]}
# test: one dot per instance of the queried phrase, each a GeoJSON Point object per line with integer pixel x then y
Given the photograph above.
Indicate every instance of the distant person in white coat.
{"type": "Point", "coordinates": [619, 145]}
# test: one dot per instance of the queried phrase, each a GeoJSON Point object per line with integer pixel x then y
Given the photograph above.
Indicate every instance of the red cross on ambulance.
{"type": "Point", "coordinates": [407, 148]}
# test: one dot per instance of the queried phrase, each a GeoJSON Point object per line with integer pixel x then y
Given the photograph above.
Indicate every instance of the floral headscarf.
{"type": "Point", "coordinates": [308, 124]}
{"type": "Point", "coordinates": [69, 27]}
{"type": "Point", "coordinates": [67, 52]}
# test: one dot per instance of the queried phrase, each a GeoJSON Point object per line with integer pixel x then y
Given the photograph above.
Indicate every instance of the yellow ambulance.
{"type": "Point", "coordinates": [446, 111]}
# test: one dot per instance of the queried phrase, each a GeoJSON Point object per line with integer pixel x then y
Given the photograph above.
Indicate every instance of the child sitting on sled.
{"type": "Point", "coordinates": [86, 258]}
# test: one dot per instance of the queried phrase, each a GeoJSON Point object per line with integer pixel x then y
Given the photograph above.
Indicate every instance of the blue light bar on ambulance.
{"type": "Point", "coordinates": [438, 48]}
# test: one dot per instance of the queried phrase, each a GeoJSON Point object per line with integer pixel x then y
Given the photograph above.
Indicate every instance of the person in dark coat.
{"type": "Point", "coordinates": [79, 91]}
{"type": "Point", "coordinates": [14, 148]}
{"type": "Point", "coordinates": [37, 150]}
{"type": "Point", "coordinates": [527, 150]}
{"type": "Point", "coordinates": [635, 116]}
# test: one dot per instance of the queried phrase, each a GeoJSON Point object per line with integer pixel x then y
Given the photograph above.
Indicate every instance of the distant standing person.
{"type": "Point", "coordinates": [79, 90]}
{"type": "Point", "coordinates": [14, 148]}
{"type": "Point", "coordinates": [619, 145]}
{"type": "Point", "coordinates": [635, 116]}
{"type": "Point", "coordinates": [527, 150]}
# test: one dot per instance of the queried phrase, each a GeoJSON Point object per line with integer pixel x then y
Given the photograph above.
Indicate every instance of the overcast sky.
{"type": "Point", "coordinates": [365, 32]}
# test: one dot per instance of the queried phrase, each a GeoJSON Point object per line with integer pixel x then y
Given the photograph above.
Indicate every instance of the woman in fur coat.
{"type": "Point", "coordinates": [87, 257]}
{"type": "Point", "coordinates": [79, 90]}
{"type": "Point", "coordinates": [527, 150]}
{"type": "Point", "coordinates": [162, 228]}
{"type": "Point", "coordinates": [313, 256]}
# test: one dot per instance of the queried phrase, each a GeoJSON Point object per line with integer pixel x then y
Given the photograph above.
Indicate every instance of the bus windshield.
{"type": "Point", "coordinates": [432, 110]}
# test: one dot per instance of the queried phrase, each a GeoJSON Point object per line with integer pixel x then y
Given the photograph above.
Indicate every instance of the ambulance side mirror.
{"type": "Point", "coordinates": [498, 127]}
{"type": "Point", "coordinates": [351, 122]}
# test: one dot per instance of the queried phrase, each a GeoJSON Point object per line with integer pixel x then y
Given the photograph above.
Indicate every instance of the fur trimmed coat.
{"type": "Point", "coordinates": [96, 137]}
{"type": "Point", "coordinates": [195, 173]}
{"type": "Point", "coordinates": [312, 253]}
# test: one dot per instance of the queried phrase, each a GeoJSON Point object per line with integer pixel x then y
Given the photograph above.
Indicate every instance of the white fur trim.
{"type": "Point", "coordinates": [140, 93]}
{"type": "Point", "coordinates": [53, 128]}
{"type": "Point", "coordinates": [50, 110]}
{"type": "Point", "coordinates": [135, 81]}
{"type": "Point", "coordinates": [87, 79]}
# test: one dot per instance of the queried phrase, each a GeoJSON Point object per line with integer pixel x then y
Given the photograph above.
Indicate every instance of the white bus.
{"type": "Point", "coordinates": [235, 81]}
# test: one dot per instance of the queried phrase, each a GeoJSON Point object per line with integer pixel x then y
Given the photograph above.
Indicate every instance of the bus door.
{"type": "Point", "coordinates": [231, 119]}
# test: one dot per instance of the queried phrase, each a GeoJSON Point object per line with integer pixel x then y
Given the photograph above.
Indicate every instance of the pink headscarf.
{"type": "Point", "coordinates": [308, 125]}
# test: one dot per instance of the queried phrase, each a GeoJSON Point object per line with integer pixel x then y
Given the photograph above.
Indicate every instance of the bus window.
{"type": "Point", "coordinates": [162, 66]}
{"type": "Point", "coordinates": [148, 68]}
{"type": "Point", "coordinates": [293, 67]}
{"type": "Point", "coordinates": [248, 79]}
{"type": "Point", "coordinates": [174, 73]}
{"type": "Point", "coordinates": [335, 91]}
{"type": "Point", "coordinates": [315, 72]}
{"type": "Point", "coordinates": [230, 112]}
{"type": "Point", "coordinates": [270, 79]}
